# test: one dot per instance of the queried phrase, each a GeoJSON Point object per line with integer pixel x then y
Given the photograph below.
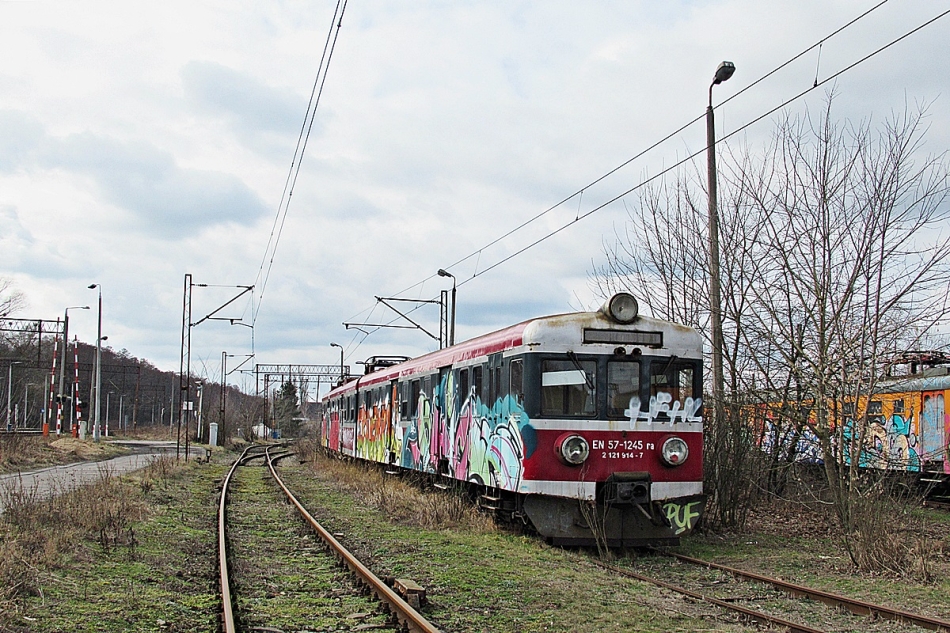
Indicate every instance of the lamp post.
{"type": "Point", "coordinates": [445, 273]}
{"type": "Point", "coordinates": [201, 394]}
{"type": "Point", "coordinates": [723, 73]}
{"type": "Point", "coordinates": [99, 339]}
{"type": "Point", "coordinates": [341, 360]}
{"type": "Point", "coordinates": [62, 366]}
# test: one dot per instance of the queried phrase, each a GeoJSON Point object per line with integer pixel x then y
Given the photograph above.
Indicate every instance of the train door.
{"type": "Point", "coordinates": [442, 414]}
{"type": "Point", "coordinates": [392, 436]}
{"type": "Point", "coordinates": [494, 379]}
{"type": "Point", "coordinates": [932, 434]}
{"type": "Point", "coordinates": [348, 443]}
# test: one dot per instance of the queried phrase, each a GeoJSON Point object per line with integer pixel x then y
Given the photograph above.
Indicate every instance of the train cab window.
{"type": "Point", "coordinates": [623, 383]}
{"type": "Point", "coordinates": [675, 379]}
{"type": "Point", "coordinates": [567, 388]}
{"type": "Point", "coordinates": [899, 407]}
{"type": "Point", "coordinates": [516, 380]}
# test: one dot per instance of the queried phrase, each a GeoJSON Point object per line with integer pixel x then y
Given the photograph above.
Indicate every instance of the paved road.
{"type": "Point", "coordinates": [59, 479]}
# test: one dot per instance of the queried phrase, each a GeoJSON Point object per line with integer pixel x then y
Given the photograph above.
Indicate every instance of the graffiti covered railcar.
{"type": "Point", "coordinates": [589, 425]}
{"type": "Point", "coordinates": [907, 429]}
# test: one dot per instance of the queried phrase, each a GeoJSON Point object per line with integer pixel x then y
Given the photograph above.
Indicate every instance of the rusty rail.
{"type": "Point", "coordinates": [858, 607]}
{"type": "Point", "coordinates": [409, 617]}
{"type": "Point", "coordinates": [747, 614]}
{"type": "Point", "coordinates": [227, 608]}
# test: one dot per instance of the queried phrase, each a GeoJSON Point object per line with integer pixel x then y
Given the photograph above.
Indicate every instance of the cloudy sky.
{"type": "Point", "coordinates": [143, 141]}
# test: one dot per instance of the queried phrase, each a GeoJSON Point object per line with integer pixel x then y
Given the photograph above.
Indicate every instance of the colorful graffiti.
{"type": "Point", "coordinates": [798, 445]}
{"type": "Point", "coordinates": [465, 437]}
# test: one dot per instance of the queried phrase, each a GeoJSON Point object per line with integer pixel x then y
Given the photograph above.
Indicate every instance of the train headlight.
{"type": "Point", "coordinates": [623, 308]}
{"type": "Point", "coordinates": [674, 451]}
{"type": "Point", "coordinates": [573, 449]}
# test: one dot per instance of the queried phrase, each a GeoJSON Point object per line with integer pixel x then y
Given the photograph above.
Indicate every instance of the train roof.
{"type": "Point", "coordinates": [555, 333]}
{"type": "Point", "coordinates": [935, 379]}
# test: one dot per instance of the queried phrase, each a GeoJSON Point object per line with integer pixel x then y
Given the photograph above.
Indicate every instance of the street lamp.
{"type": "Point", "coordinates": [62, 366]}
{"type": "Point", "coordinates": [99, 339]}
{"type": "Point", "coordinates": [723, 73]}
{"type": "Point", "coordinates": [445, 273]}
{"type": "Point", "coordinates": [341, 360]}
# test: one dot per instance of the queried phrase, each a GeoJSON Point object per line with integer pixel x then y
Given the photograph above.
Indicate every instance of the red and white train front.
{"type": "Point", "coordinates": [587, 424]}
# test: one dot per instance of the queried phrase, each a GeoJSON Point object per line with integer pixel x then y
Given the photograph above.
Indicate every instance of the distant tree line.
{"type": "Point", "coordinates": [136, 395]}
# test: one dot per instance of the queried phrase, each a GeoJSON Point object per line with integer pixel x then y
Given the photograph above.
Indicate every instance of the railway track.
{"type": "Point", "coordinates": [247, 524]}
{"type": "Point", "coordinates": [709, 590]}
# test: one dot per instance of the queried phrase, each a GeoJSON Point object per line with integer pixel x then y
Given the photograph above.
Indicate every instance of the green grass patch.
{"type": "Point", "coordinates": [155, 572]}
{"type": "Point", "coordinates": [481, 579]}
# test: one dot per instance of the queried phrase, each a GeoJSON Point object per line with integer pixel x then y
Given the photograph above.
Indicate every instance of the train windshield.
{"type": "Point", "coordinates": [567, 387]}
{"type": "Point", "coordinates": [672, 383]}
{"type": "Point", "coordinates": [623, 383]}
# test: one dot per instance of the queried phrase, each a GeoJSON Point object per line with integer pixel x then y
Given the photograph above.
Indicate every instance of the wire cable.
{"type": "Point", "coordinates": [648, 149]}
{"type": "Point", "coordinates": [695, 154]}
{"type": "Point", "coordinates": [669, 136]}
{"type": "Point", "coordinates": [287, 195]}
{"type": "Point", "coordinates": [580, 216]}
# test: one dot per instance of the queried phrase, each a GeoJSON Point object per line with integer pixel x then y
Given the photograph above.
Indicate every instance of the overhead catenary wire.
{"type": "Point", "coordinates": [640, 154]}
{"type": "Point", "coordinates": [580, 216]}
{"type": "Point", "coordinates": [303, 137]}
{"type": "Point", "coordinates": [579, 192]}
{"type": "Point", "coordinates": [703, 150]}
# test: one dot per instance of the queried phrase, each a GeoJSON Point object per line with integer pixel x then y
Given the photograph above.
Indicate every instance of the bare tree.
{"type": "Point", "coordinates": [11, 299]}
{"type": "Point", "coordinates": [835, 255]}
{"type": "Point", "coordinates": [852, 266]}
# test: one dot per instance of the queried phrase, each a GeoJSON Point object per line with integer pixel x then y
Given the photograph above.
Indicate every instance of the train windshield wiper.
{"type": "Point", "coordinates": [577, 364]}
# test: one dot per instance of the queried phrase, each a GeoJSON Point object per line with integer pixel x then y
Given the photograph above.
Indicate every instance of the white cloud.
{"type": "Point", "coordinates": [142, 142]}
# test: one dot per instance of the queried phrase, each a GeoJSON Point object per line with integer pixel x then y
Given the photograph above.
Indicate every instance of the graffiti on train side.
{"type": "Point", "coordinates": [373, 429]}
{"type": "Point", "coordinates": [464, 437]}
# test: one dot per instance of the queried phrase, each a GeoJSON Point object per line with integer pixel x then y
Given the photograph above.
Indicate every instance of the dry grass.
{"type": "Point", "coordinates": [404, 501]}
{"type": "Point", "coordinates": [40, 533]}
{"type": "Point", "coordinates": [888, 536]}
{"type": "Point", "coordinates": [22, 451]}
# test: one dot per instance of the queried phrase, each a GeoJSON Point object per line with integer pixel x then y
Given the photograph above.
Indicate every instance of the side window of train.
{"type": "Point", "coordinates": [414, 391]}
{"type": "Point", "coordinates": [568, 387]}
{"type": "Point", "coordinates": [516, 380]}
{"type": "Point", "coordinates": [477, 382]}
{"type": "Point", "coordinates": [403, 401]}
{"type": "Point", "coordinates": [463, 386]}
{"type": "Point", "coordinates": [623, 383]}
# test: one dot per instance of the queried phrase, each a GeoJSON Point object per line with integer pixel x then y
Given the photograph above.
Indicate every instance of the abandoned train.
{"type": "Point", "coordinates": [588, 425]}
